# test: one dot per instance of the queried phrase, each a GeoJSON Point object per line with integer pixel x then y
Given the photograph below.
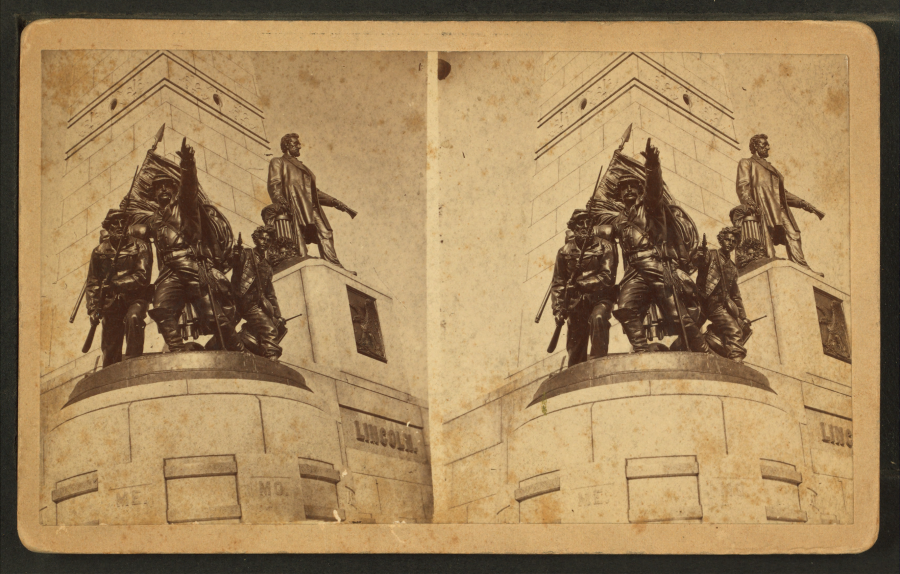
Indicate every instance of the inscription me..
{"type": "Point", "coordinates": [591, 498]}
{"type": "Point", "coordinates": [130, 497]}
{"type": "Point", "coordinates": [836, 435]}
{"type": "Point", "coordinates": [388, 438]}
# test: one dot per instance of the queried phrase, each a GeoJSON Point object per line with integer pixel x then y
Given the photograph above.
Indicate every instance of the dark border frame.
{"type": "Point", "coordinates": [881, 15]}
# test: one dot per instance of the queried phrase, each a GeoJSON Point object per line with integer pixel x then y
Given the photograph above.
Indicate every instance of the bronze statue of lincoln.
{"type": "Point", "coordinates": [293, 190]}
{"type": "Point", "coordinates": [760, 187]}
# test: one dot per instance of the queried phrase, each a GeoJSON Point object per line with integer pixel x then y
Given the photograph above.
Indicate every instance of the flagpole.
{"type": "Point", "coordinates": [136, 181]}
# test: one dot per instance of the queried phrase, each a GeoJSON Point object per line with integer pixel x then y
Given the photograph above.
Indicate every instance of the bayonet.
{"type": "Point", "coordinates": [625, 137]}
{"type": "Point", "coordinates": [158, 138]}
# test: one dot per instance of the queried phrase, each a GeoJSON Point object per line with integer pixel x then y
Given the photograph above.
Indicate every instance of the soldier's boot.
{"type": "Point", "coordinates": [233, 341]}
{"type": "Point", "coordinates": [696, 340]}
{"type": "Point", "coordinates": [167, 325]}
{"type": "Point", "coordinates": [134, 330]}
{"type": "Point", "coordinates": [600, 330]}
{"type": "Point", "coordinates": [633, 328]}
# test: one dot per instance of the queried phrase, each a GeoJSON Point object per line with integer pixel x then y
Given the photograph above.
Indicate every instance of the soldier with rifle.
{"type": "Point", "coordinates": [583, 289]}
{"type": "Point", "coordinates": [720, 296]}
{"type": "Point", "coordinates": [188, 273]}
{"type": "Point", "coordinates": [255, 295]}
{"type": "Point", "coordinates": [118, 290]}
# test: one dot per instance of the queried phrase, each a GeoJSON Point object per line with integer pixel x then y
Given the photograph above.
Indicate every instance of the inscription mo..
{"type": "Point", "coordinates": [388, 438]}
{"type": "Point", "coordinates": [836, 435]}
{"type": "Point", "coordinates": [268, 488]}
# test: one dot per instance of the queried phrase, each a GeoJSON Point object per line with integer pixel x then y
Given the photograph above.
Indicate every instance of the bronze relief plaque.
{"type": "Point", "coordinates": [366, 326]}
{"type": "Point", "coordinates": [832, 326]}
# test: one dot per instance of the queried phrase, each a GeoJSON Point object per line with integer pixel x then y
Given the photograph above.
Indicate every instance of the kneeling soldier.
{"type": "Point", "coordinates": [583, 289]}
{"type": "Point", "coordinates": [255, 295]}
{"type": "Point", "coordinates": [720, 297]}
{"type": "Point", "coordinates": [119, 297]}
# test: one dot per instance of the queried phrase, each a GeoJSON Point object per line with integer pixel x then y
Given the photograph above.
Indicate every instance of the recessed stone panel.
{"type": "Point", "coordinates": [670, 499]}
{"type": "Point", "coordinates": [202, 499]}
{"type": "Point", "coordinates": [383, 437]}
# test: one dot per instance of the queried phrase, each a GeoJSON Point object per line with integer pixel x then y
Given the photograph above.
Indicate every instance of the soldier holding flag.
{"type": "Point", "coordinates": [657, 240]}
{"type": "Point", "coordinates": [190, 258]}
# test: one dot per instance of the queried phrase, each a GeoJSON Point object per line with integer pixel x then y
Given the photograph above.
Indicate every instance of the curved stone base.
{"type": "Point", "coordinates": [194, 437]}
{"type": "Point", "coordinates": [663, 437]}
{"type": "Point", "coordinates": [644, 366]}
{"type": "Point", "coordinates": [159, 367]}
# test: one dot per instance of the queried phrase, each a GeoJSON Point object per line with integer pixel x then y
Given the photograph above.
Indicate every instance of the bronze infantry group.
{"type": "Point", "coordinates": [672, 284]}
{"type": "Point", "coordinates": [166, 211]}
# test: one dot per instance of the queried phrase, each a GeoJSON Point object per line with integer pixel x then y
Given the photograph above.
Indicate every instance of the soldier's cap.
{"type": "Point", "coordinates": [577, 216]}
{"type": "Point", "coordinates": [161, 178]}
{"type": "Point", "coordinates": [113, 215]}
{"type": "Point", "coordinates": [628, 178]}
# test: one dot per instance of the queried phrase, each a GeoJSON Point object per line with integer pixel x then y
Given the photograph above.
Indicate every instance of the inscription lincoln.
{"type": "Point", "coordinates": [379, 435]}
{"type": "Point", "coordinates": [836, 435]}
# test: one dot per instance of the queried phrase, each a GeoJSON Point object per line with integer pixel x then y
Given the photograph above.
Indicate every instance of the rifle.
{"type": "Point", "coordinates": [101, 294]}
{"type": "Point", "coordinates": [745, 335]}
{"type": "Point", "coordinates": [537, 318]}
{"type": "Point", "coordinates": [819, 213]}
{"type": "Point", "coordinates": [78, 303]}
{"type": "Point", "coordinates": [555, 339]}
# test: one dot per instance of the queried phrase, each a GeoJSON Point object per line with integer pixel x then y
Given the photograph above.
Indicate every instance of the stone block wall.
{"type": "Point", "coordinates": [814, 410]}
{"type": "Point", "coordinates": [211, 98]}
{"type": "Point", "coordinates": [787, 347]}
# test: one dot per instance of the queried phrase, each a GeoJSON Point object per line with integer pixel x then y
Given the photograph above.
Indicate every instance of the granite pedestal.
{"type": "Point", "coordinates": [218, 437]}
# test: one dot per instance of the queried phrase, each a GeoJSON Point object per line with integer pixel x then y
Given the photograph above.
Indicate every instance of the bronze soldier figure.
{"type": "Point", "coordinates": [293, 190]}
{"type": "Point", "coordinates": [760, 187]}
{"type": "Point", "coordinates": [649, 275]}
{"type": "Point", "coordinates": [126, 292]}
{"type": "Point", "coordinates": [720, 297]}
{"type": "Point", "coordinates": [187, 275]}
{"type": "Point", "coordinates": [255, 295]}
{"type": "Point", "coordinates": [588, 265]}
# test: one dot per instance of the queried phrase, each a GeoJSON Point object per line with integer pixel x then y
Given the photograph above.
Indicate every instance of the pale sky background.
{"type": "Point", "coordinates": [488, 107]}
{"type": "Point", "coordinates": [361, 120]}
{"type": "Point", "coordinates": [488, 122]}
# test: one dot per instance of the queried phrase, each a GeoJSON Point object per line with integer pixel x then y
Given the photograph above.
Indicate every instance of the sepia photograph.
{"type": "Point", "coordinates": [293, 287]}
{"type": "Point", "coordinates": [223, 340]}
{"type": "Point", "coordinates": [668, 268]}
